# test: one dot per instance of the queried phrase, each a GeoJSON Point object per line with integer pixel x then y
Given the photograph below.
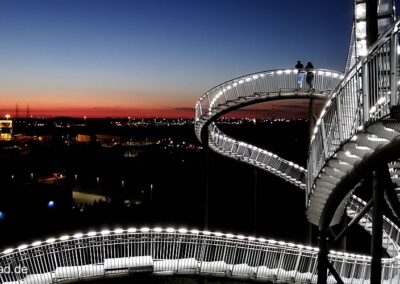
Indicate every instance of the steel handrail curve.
{"type": "Point", "coordinates": [239, 88]}
{"type": "Point", "coordinates": [245, 87]}
{"type": "Point", "coordinates": [391, 232]}
{"type": "Point", "coordinates": [169, 250]}
{"type": "Point", "coordinates": [228, 146]}
{"type": "Point", "coordinates": [350, 89]}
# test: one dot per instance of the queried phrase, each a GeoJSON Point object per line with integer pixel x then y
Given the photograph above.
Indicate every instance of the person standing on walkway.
{"type": "Point", "coordinates": [300, 73]}
{"type": "Point", "coordinates": [310, 75]}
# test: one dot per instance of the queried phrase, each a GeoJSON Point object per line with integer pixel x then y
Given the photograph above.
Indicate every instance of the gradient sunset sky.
{"type": "Point", "coordinates": [154, 57]}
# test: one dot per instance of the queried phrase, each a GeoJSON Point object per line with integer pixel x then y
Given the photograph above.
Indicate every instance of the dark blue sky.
{"type": "Point", "coordinates": [120, 55]}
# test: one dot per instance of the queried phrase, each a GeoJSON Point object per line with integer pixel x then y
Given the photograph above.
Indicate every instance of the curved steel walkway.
{"type": "Point", "coordinates": [165, 251]}
{"type": "Point", "coordinates": [356, 132]}
{"type": "Point", "coordinates": [353, 135]}
{"type": "Point", "coordinates": [252, 89]}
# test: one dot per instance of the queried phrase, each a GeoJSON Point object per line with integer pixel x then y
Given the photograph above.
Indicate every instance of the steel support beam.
{"type": "Point", "coordinates": [353, 222]}
{"type": "Point", "coordinates": [323, 241]}
{"type": "Point", "coordinates": [334, 273]}
{"type": "Point", "coordinates": [393, 70]}
{"type": "Point", "coordinates": [377, 227]}
{"type": "Point", "coordinates": [372, 21]}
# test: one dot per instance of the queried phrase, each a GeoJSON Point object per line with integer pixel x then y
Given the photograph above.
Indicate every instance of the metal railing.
{"type": "Point", "coordinates": [289, 171]}
{"type": "Point", "coordinates": [237, 91]}
{"type": "Point", "coordinates": [366, 94]}
{"type": "Point", "coordinates": [158, 250]}
{"type": "Point", "coordinates": [391, 232]}
{"type": "Point", "coordinates": [272, 84]}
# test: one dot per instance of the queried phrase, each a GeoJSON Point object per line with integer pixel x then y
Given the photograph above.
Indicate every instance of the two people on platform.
{"type": "Point", "coordinates": [307, 72]}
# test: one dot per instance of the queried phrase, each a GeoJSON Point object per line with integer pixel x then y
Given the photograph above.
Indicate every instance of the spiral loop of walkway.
{"type": "Point", "coordinates": [252, 89]}
{"type": "Point", "coordinates": [355, 123]}
{"type": "Point", "coordinates": [355, 132]}
{"type": "Point", "coordinates": [358, 130]}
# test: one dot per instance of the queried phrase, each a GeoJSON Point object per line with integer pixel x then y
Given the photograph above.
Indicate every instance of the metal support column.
{"type": "Point", "coordinates": [393, 70]}
{"type": "Point", "coordinates": [365, 88]}
{"type": "Point", "coordinates": [372, 21]}
{"type": "Point", "coordinates": [255, 201]}
{"type": "Point", "coordinates": [323, 257]}
{"type": "Point", "coordinates": [207, 174]}
{"type": "Point", "coordinates": [377, 226]}
{"type": "Point", "coordinates": [311, 125]}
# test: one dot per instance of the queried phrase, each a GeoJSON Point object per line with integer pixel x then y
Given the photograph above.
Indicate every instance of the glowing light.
{"type": "Point", "coordinates": [182, 230]}
{"type": "Point", "coordinates": [361, 29]}
{"type": "Point", "coordinates": [78, 235]}
{"type": "Point", "coordinates": [118, 231]}
{"type": "Point", "coordinates": [7, 251]}
{"type": "Point", "coordinates": [37, 243]}
{"type": "Point", "coordinates": [21, 247]}
{"type": "Point", "coordinates": [64, 238]}
{"type": "Point", "coordinates": [381, 100]}
{"type": "Point", "coordinates": [362, 49]}
{"type": "Point", "coordinates": [144, 230]}
{"type": "Point", "coordinates": [51, 204]}
{"type": "Point", "coordinates": [50, 240]}
{"type": "Point", "coordinates": [377, 139]}
{"type": "Point", "coordinates": [170, 230]}
{"type": "Point", "coordinates": [105, 232]}
{"type": "Point", "coordinates": [361, 11]}
{"type": "Point", "coordinates": [157, 230]}
{"type": "Point", "coordinates": [91, 234]}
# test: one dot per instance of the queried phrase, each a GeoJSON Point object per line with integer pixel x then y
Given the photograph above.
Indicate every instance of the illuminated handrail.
{"type": "Point", "coordinates": [272, 81]}
{"type": "Point", "coordinates": [354, 103]}
{"type": "Point", "coordinates": [391, 232]}
{"type": "Point", "coordinates": [289, 171]}
{"type": "Point", "coordinates": [158, 250]}
{"type": "Point", "coordinates": [253, 88]}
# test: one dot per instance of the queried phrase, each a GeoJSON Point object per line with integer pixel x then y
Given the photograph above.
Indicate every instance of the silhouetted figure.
{"type": "Point", "coordinates": [310, 75]}
{"type": "Point", "coordinates": [300, 73]}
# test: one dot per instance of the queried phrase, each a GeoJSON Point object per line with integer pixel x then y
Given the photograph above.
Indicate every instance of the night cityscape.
{"type": "Point", "coordinates": [195, 142]}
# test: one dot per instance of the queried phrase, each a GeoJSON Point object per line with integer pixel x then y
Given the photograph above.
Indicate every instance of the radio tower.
{"type": "Point", "coordinates": [16, 111]}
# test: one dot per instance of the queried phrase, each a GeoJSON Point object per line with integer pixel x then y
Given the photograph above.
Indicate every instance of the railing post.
{"type": "Point", "coordinates": [393, 69]}
{"type": "Point", "coordinates": [365, 89]}
{"type": "Point", "coordinates": [339, 118]}
{"type": "Point", "coordinates": [324, 144]}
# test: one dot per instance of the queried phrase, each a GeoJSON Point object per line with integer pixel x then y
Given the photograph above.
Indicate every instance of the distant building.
{"type": "Point", "coordinates": [6, 128]}
{"type": "Point", "coordinates": [83, 138]}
